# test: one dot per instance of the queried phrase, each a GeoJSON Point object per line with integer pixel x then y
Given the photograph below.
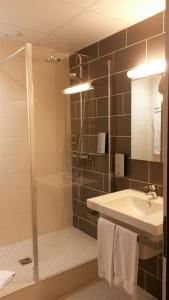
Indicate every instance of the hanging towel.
{"type": "Point", "coordinates": [105, 235]}
{"type": "Point", "coordinates": [126, 260]}
{"type": "Point", "coordinates": [157, 131]}
{"type": "Point", "coordinates": [5, 277]}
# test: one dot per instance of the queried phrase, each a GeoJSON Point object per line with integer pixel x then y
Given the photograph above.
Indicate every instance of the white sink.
{"type": "Point", "coordinates": [131, 207]}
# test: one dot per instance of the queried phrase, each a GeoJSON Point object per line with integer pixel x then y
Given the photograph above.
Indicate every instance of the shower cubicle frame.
{"type": "Point", "coordinates": [31, 137]}
{"type": "Point", "coordinates": [31, 142]}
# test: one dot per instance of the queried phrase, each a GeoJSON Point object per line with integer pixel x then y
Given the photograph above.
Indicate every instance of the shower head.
{"type": "Point", "coordinates": [53, 59]}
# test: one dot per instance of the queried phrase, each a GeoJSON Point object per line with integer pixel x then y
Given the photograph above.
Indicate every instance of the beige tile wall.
{"type": "Point", "coordinates": [53, 153]}
{"type": "Point", "coordinates": [15, 209]}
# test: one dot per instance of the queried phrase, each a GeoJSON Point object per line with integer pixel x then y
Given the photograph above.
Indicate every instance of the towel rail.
{"type": "Point", "coordinates": [142, 237]}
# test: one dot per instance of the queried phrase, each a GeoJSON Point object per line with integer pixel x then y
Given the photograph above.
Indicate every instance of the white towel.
{"type": "Point", "coordinates": [157, 132]}
{"type": "Point", "coordinates": [126, 260]}
{"type": "Point", "coordinates": [105, 249]}
{"type": "Point", "coordinates": [5, 277]}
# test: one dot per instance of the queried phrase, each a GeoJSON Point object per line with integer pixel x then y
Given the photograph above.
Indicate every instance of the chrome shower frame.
{"type": "Point", "coordinates": [32, 152]}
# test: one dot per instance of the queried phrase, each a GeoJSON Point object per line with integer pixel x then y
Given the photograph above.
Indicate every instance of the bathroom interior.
{"type": "Point", "coordinates": [82, 149]}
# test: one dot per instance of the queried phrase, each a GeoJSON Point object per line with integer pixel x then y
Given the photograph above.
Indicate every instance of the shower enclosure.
{"type": "Point", "coordinates": [37, 237]}
{"type": "Point", "coordinates": [16, 156]}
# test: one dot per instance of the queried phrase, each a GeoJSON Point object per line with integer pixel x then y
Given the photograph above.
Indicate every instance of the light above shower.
{"type": "Point", "coordinates": [78, 88]}
{"type": "Point", "coordinates": [152, 68]}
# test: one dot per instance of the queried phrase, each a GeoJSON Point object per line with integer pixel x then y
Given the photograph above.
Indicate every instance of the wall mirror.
{"type": "Point", "coordinates": [146, 118]}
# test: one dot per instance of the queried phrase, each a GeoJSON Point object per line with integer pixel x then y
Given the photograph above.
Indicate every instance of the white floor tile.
{"type": "Point", "coordinates": [58, 252]}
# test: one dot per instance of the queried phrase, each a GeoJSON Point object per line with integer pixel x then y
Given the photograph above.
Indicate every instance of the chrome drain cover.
{"type": "Point", "coordinates": [25, 260]}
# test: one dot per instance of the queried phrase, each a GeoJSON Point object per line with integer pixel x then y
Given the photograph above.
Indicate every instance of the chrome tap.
{"type": "Point", "coordinates": [151, 189]}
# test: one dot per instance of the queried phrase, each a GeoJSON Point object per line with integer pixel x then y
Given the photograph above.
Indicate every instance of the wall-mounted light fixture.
{"type": "Point", "coordinates": [78, 88]}
{"type": "Point", "coordinates": [152, 68]}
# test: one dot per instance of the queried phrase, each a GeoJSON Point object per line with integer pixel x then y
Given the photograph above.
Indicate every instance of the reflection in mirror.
{"type": "Point", "coordinates": [146, 120]}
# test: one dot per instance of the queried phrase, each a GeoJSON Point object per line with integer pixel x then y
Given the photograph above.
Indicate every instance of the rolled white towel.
{"type": "Point", "coordinates": [5, 277]}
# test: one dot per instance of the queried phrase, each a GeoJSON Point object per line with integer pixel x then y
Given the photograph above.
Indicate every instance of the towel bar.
{"type": "Point", "coordinates": [142, 238]}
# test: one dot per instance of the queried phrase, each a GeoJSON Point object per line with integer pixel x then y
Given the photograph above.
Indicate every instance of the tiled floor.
{"type": "Point", "coordinates": [58, 251]}
{"type": "Point", "coordinates": [100, 290]}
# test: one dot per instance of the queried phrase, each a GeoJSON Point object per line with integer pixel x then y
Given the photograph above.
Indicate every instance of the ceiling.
{"type": "Point", "coordinates": [69, 25]}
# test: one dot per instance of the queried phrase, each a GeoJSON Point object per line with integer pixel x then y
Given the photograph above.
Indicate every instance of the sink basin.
{"type": "Point", "coordinates": [134, 206]}
{"type": "Point", "coordinates": [131, 207]}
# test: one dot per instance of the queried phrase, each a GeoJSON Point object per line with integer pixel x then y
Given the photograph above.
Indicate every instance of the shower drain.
{"type": "Point", "coordinates": [25, 260]}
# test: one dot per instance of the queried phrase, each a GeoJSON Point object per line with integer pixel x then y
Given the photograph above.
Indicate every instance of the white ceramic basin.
{"type": "Point", "coordinates": [131, 207]}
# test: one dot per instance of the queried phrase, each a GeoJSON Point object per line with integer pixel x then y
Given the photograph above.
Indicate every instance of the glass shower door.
{"type": "Point", "coordinates": [16, 247]}
{"type": "Point", "coordinates": [53, 159]}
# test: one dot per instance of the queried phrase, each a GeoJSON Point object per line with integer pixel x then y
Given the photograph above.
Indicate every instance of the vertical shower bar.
{"type": "Point", "coordinates": [31, 133]}
{"type": "Point", "coordinates": [109, 125]}
{"type": "Point", "coordinates": [81, 121]}
{"type": "Point", "coordinates": [81, 100]}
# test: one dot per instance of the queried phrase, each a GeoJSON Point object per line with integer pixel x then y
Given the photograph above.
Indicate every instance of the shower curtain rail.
{"type": "Point", "coordinates": [12, 55]}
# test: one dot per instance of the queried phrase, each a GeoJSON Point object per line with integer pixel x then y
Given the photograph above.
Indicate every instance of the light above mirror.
{"type": "Point", "coordinates": [148, 69]}
{"type": "Point", "coordinates": [78, 88]}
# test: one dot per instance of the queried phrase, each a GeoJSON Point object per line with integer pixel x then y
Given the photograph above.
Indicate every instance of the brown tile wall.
{"type": "Point", "coordinates": [127, 49]}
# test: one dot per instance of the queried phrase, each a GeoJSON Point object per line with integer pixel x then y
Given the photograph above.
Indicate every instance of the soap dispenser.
{"type": "Point", "coordinates": [102, 143]}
